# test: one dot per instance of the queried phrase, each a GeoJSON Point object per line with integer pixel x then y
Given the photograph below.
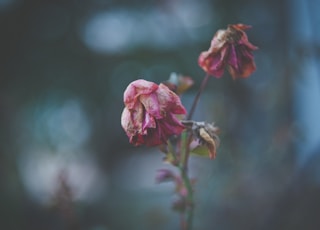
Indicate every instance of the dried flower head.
{"type": "Point", "coordinates": [230, 48]}
{"type": "Point", "coordinates": [149, 116]}
{"type": "Point", "coordinates": [206, 134]}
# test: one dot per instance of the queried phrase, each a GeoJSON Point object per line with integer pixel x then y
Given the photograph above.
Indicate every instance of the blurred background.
{"type": "Point", "coordinates": [65, 162]}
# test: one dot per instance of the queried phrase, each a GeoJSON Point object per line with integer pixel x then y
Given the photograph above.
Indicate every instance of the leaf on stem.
{"type": "Point", "coordinates": [200, 150]}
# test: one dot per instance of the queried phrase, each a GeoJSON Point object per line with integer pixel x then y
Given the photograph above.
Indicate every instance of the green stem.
{"type": "Point", "coordinates": [196, 99]}
{"type": "Point", "coordinates": [189, 199]}
{"type": "Point", "coordinates": [185, 152]}
{"type": "Point", "coordinates": [172, 153]}
{"type": "Point", "coordinates": [189, 218]}
{"type": "Point", "coordinates": [186, 180]}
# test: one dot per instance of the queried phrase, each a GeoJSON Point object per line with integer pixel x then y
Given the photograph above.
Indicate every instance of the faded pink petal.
{"type": "Point", "coordinates": [213, 64]}
{"type": "Point", "coordinates": [126, 119]}
{"type": "Point", "coordinates": [233, 59]}
{"type": "Point", "coordinates": [137, 88]}
{"type": "Point", "coordinates": [148, 122]}
{"type": "Point", "coordinates": [244, 65]}
{"type": "Point", "coordinates": [218, 41]}
{"type": "Point", "coordinates": [244, 41]}
{"type": "Point", "coordinates": [169, 100]}
{"type": "Point", "coordinates": [151, 104]}
{"type": "Point", "coordinates": [149, 116]}
{"type": "Point", "coordinates": [171, 125]}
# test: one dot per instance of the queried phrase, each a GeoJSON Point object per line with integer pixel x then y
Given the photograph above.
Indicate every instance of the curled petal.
{"type": "Point", "coordinates": [244, 41]}
{"type": "Point", "coordinates": [131, 127]}
{"type": "Point", "coordinates": [136, 89]}
{"type": "Point", "coordinates": [233, 59]}
{"type": "Point", "coordinates": [168, 100]}
{"type": "Point", "coordinates": [218, 41]}
{"type": "Point", "coordinates": [209, 141]}
{"type": "Point", "coordinates": [213, 64]}
{"type": "Point", "coordinates": [171, 125]}
{"type": "Point", "coordinates": [148, 122]}
{"type": "Point", "coordinates": [243, 65]}
{"type": "Point", "coordinates": [151, 104]}
{"type": "Point", "coordinates": [126, 121]}
{"type": "Point", "coordinates": [240, 26]}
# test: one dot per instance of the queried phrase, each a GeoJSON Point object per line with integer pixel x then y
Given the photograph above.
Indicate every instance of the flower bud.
{"type": "Point", "coordinates": [206, 134]}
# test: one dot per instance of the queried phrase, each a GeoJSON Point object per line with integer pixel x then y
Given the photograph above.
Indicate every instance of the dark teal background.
{"type": "Point", "coordinates": [65, 162]}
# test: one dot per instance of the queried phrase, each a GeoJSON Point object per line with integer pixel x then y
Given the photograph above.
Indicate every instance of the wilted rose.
{"type": "Point", "coordinates": [230, 48]}
{"type": "Point", "coordinates": [149, 116]}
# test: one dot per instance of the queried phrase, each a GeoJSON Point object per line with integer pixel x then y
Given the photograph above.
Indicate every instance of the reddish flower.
{"type": "Point", "coordinates": [231, 48]}
{"type": "Point", "coordinates": [149, 116]}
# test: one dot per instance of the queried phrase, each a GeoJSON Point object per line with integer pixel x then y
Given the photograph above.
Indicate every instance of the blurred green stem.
{"type": "Point", "coordinates": [186, 139]}
{"type": "Point", "coordinates": [189, 201]}
{"type": "Point", "coordinates": [186, 181]}
{"type": "Point", "coordinates": [196, 99]}
{"type": "Point", "coordinates": [186, 150]}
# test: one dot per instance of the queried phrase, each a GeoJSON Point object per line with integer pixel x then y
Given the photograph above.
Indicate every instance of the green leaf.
{"type": "Point", "coordinates": [201, 150]}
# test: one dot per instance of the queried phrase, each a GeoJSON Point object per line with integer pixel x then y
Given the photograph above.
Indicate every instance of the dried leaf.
{"type": "Point", "coordinates": [210, 142]}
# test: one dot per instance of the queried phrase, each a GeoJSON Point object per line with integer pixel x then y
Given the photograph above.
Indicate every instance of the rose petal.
{"type": "Point", "coordinates": [151, 104]}
{"type": "Point", "coordinates": [137, 88]}
{"type": "Point", "coordinates": [168, 100]}
{"type": "Point", "coordinates": [213, 64]}
{"type": "Point", "coordinates": [247, 68]}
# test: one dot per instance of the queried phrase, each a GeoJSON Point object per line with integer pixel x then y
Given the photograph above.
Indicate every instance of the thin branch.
{"type": "Point", "coordinates": [196, 99]}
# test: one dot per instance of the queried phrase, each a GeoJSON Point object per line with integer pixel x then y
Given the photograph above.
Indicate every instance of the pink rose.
{"type": "Point", "coordinates": [149, 116]}
{"type": "Point", "coordinates": [230, 48]}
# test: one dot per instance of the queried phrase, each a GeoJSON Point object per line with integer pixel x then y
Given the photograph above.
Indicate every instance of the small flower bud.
{"type": "Point", "coordinates": [206, 134]}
